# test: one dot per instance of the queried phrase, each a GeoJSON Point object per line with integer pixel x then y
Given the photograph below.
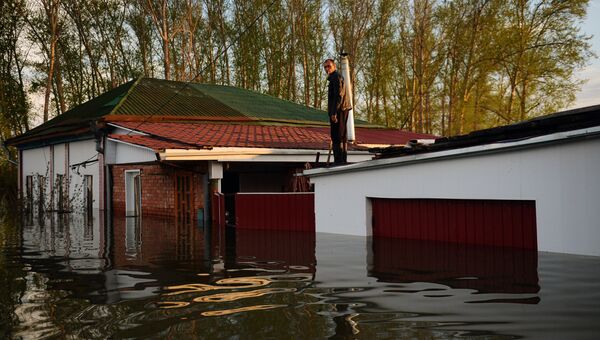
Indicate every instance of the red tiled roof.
{"type": "Point", "coordinates": [165, 135]}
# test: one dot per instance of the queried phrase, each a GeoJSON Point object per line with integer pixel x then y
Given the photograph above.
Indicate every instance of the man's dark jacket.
{"type": "Point", "coordinates": [337, 100]}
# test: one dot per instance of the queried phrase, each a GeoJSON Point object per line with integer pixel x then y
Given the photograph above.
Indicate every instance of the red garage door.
{"type": "Point", "coordinates": [485, 222]}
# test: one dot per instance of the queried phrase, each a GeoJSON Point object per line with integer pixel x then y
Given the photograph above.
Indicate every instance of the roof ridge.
{"type": "Point", "coordinates": [208, 95]}
{"type": "Point", "coordinates": [124, 98]}
{"type": "Point", "coordinates": [261, 93]}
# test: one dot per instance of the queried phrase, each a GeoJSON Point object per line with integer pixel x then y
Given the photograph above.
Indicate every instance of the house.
{"type": "Point", "coordinates": [530, 185]}
{"type": "Point", "coordinates": [161, 147]}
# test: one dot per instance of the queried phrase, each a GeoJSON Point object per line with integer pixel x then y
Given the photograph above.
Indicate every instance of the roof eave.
{"type": "Point", "coordinates": [242, 154]}
{"type": "Point", "coordinates": [76, 132]}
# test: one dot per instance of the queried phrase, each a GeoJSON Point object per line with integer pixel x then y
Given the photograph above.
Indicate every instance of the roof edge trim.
{"type": "Point", "coordinates": [139, 133]}
{"type": "Point", "coordinates": [130, 144]}
{"type": "Point", "coordinates": [563, 136]}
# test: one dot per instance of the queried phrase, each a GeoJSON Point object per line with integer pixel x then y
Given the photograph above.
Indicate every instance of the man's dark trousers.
{"type": "Point", "coordinates": [339, 137]}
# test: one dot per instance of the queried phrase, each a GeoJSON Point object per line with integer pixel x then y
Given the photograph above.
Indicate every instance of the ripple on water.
{"type": "Point", "coordinates": [164, 280]}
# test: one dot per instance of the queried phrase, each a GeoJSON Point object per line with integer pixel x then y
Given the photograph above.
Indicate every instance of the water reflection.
{"type": "Point", "coordinates": [76, 276]}
{"type": "Point", "coordinates": [483, 269]}
{"type": "Point", "coordinates": [276, 250]}
{"type": "Point", "coordinates": [156, 242]}
{"type": "Point", "coordinates": [240, 310]}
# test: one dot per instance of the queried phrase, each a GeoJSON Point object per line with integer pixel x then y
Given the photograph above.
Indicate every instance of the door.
{"type": "Point", "coordinates": [184, 198]}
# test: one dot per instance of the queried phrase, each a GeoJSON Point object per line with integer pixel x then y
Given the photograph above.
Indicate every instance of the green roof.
{"type": "Point", "coordinates": [261, 106]}
{"type": "Point", "coordinates": [155, 97]}
{"type": "Point", "coordinates": [169, 100]}
{"type": "Point", "coordinates": [80, 115]}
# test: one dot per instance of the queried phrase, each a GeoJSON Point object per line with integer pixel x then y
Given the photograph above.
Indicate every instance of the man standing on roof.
{"type": "Point", "coordinates": [338, 106]}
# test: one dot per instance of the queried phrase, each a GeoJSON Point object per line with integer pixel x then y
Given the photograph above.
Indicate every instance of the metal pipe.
{"type": "Point", "coordinates": [345, 68]}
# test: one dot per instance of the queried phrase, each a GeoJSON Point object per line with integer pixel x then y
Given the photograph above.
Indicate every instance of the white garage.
{"type": "Point", "coordinates": [539, 178]}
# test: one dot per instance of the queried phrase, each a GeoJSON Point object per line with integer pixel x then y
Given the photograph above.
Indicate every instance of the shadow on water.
{"type": "Point", "coordinates": [84, 276]}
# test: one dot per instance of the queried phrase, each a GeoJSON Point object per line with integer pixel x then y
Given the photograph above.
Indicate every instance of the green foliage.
{"type": "Point", "coordinates": [9, 202]}
{"type": "Point", "coordinates": [14, 105]}
{"type": "Point", "coordinates": [444, 67]}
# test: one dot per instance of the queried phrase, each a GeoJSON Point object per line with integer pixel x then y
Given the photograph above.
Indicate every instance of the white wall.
{"type": "Point", "coordinates": [563, 179]}
{"type": "Point", "coordinates": [59, 159]}
{"type": "Point", "coordinates": [122, 153]}
{"type": "Point", "coordinates": [37, 162]}
{"type": "Point", "coordinates": [79, 152]}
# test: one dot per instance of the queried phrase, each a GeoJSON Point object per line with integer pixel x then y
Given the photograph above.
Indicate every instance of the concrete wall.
{"type": "Point", "coordinates": [563, 179]}
{"type": "Point", "coordinates": [48, 161]}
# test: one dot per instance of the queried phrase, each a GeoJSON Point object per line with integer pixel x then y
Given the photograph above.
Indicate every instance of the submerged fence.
{"type": "Point", "coordinates": [275, 211]}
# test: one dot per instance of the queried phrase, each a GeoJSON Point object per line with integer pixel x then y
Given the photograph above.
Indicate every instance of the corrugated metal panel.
{"type": "Point", "coordinates": [276, 211]}
{"type": "Point", "coordinates": [171, 98]}
{"type": "Point", "coordinates": [80, 115]}
{"type": "Point", "coordinates": [254, 104]}
{"type": "Point", "coordinates": [504, 223]}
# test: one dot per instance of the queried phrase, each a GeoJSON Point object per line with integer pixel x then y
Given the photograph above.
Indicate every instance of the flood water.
{"type": "Point", "coordinates": [69, 276]}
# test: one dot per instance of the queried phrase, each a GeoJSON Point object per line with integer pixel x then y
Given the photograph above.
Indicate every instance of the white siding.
{"type": "Point", "coordinates": [59, 159]}
{"type": "Point", "coordinates": [37, 162]}
{"type": "Point", "coordinates": [123, 153]}
{"type": "Point", "coordinates": [562, 178]}
{"type": "Point", "coordinates": [79, 152]}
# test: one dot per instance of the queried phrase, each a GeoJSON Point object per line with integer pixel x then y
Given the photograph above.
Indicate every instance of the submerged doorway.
{"type": "Point", "coordinates": [133, 193]}
{"type": "Point", "coordinates": [184, 199]}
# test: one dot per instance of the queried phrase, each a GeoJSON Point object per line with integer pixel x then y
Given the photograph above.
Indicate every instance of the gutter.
{"type": "Point", "coordinates": [500, 146]}
{"type": "Point", "coordinates": [237, 153]}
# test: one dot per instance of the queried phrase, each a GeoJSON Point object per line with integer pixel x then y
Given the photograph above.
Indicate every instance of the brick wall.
{"type": "Point", "coordinates": [158, 188]}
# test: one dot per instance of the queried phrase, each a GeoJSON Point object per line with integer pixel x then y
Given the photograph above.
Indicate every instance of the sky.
{"type": "Point", "coordinates": [590, 91]}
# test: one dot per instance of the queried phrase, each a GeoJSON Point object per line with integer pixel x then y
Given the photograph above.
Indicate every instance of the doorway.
{"type": "Point", "coordinates": [133, 193]}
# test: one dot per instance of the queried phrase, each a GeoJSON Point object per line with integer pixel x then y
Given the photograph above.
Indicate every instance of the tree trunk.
{"type": "Point", "coordinates": [59, 86]}
{"type": "Point", "coordinates": [52, 16]}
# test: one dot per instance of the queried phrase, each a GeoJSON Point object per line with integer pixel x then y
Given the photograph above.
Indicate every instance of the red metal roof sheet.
{"type": "Point", "coordinates": [170, 135]}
